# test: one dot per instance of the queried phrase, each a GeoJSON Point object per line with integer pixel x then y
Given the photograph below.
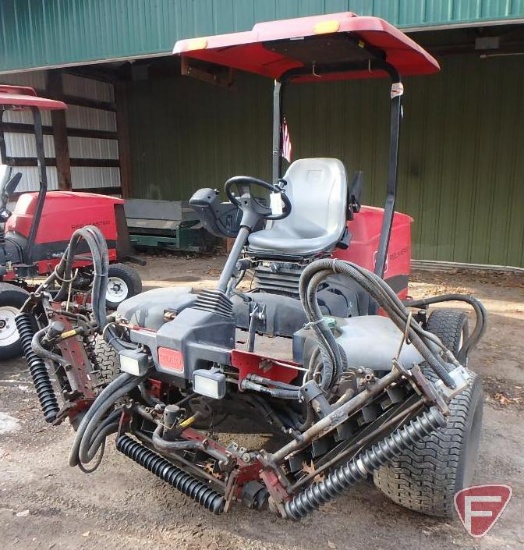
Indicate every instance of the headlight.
{"type": "Point", "coordinates": [209, 383]}
{"type": "Point", "coordinates": [134, 362]}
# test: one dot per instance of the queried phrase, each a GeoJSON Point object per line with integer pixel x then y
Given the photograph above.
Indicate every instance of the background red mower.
{"type": "Point", "coordinates": [34, 236]}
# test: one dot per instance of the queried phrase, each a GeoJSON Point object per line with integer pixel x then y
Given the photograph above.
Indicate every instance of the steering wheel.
{"type": "Point", "coordinates": [246, 202]}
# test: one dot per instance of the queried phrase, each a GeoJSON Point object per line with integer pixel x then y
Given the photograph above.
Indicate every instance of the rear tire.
{"type": "Point", "coordinates": [123, 282]}
{"type": "Point", "coordinates": [12, 298]}
{"type": "Point", "coordinates": [451, 326]}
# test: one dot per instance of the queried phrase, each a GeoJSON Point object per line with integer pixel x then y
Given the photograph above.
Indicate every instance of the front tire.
{"type": "Point", "coordinates": [123, 282]}
{"type": "Point", "coordinates": [426, 477]}
{"type": "Point", "coordinates": [12, 298]}
{"type": "Point", "coordinates": [108, 362]}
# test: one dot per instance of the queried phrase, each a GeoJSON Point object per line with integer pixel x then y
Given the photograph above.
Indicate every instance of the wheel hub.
{"type": "Point", "coordinates": [117, 289]}
{"type": "Point", "coordinates": [8, 332]}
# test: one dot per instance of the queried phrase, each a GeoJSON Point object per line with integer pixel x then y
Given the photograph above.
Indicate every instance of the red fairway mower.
{"type": "Point", "coordinates": [34, 236]}
{"type": "Point", "coordinates": [348, 392]}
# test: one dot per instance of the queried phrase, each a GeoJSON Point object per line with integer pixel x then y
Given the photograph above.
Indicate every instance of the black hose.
{"type": "Point", "coordinates": [273, 392]}
{"type": "Point", "coordinates": [39, 349]}
{"type": "Point", "coordinates": [100, 258]}
{"type": "Point", "coordinates": [383, 295]}
{"type": "Point", "coordinates": [258, 402]}
{"type": "Point", "coordinates": [268, 381]}
{"type": "Point", "coordinates": [105, 394]}
{"type": "Point", "coordinates": [480, 314]}
{"type": "Point", "coordinates": [87, 450]}
{"type": "Point", "coordinates": [329, 348]}
{"type": "Point", "coordinates": [168, 447]}
{"type": "Point", "coordinates": [97, 440]}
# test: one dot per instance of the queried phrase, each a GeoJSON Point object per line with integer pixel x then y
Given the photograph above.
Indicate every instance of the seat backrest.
{"type": "Point", "coordinates": [317, 188]}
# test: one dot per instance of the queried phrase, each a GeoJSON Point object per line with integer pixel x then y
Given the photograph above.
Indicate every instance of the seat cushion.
{"type": "Point", "coordinates": [317, 189]}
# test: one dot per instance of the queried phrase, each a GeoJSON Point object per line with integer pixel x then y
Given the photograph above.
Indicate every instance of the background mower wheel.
{"type": "Point", "coordinates": [11, 300]}
{"type": "Point", "coordinates": [123, 282]}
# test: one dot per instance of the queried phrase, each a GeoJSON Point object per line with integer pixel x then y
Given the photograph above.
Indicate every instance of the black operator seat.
{"type": "Point", "coordinates": [317, 189]}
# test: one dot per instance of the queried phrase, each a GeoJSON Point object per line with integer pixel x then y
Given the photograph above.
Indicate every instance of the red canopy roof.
{"type": "Point", "coordinates": [259, 51]}
{"type": "Point", "coordinates": [23, 97]}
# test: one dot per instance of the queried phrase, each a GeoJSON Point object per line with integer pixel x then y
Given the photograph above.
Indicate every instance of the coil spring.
{"type": "Point", "coordinates": [358, 468]}
{"type": "Point", "coordinates": [37, 368]}
{"type": "Point", "coordinates": [177, 478]}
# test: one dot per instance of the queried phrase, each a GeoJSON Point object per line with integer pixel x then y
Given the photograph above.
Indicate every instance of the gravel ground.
{"type": "Point", "coordinates": [44, 504]}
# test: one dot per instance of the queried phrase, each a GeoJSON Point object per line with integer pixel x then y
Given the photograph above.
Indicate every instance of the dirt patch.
{"type": "Point", "coordinates": [502, 393]}
{"type": "Point", "coordinates": [45, 504]}
{"type": "Point", "coordinates": [472, 276]}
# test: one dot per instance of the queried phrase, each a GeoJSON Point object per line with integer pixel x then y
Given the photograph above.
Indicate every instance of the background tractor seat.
{"type": "Point", "coordinates": [317, 189]}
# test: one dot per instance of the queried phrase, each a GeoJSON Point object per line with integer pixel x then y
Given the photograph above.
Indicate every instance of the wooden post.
{"type": "Point", "coordinates": [58, 120]}
{"type": "Point", "coordinates": [124, 142]}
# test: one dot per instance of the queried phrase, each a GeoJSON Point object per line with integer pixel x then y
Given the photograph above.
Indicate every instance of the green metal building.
{"type": "Point", "coordinates": [137, 127]}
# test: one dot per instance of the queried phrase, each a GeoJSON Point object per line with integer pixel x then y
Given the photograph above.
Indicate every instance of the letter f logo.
{"type": "Point", "coordinates": [481, 506]}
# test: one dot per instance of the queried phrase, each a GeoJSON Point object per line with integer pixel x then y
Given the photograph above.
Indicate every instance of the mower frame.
{"type": "Point", "coordinates": [343, 409]}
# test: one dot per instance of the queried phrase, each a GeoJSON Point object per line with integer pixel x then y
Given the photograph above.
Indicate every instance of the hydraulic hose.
{"type": "Point", "coordinates": [273, 392]}
{"type": "Point", "coordinates": [480, 313]}
{"type": "Point", "coordinates": [103, 402]}
{"type": "Point", "coordinates": [329, 349]}
{"type": "Point", "coordinates": [380, 291]}
{"type": "Point", "coordinates": [167, 447]}
{"type": "Point", "coordinates": [100, 257]}
{"type": "Point", "coordinates": [39, 349]}
{"type": "Point", "coordinates": [87, 450]}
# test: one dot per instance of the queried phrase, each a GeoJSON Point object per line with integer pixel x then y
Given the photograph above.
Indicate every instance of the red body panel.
{"type": "Point", "coordinates": [252, 363]}
{"type": "Point", "coordinates": [63, 213]}
{"type": "Point", "coordinates": [365, 231]}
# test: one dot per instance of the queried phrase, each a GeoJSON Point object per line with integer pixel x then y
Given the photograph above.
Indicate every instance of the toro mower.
{"type": "Point", "coordinates": [351, 377]}
{"type": "Point", "coordinates": [34, 236]}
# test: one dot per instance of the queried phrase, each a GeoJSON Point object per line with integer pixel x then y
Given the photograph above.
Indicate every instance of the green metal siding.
{"type": "Point", "coordinates": [41, 33]}
{"type": "Point", "coordinates": [461, 161]}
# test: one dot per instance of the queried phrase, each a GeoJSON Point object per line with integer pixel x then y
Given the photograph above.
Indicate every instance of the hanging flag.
{"type": "Point", "coordinates": [286, 141]}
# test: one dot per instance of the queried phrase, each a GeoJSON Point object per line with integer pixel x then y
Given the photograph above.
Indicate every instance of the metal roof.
{"type": "Point", "coordinates": [52, 33]}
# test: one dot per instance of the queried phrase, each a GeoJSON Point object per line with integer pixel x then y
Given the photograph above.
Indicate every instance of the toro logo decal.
{"type": "Point", "coordinates": [480, 507]}
{"type": "Point", "coordinates": [171, 359]}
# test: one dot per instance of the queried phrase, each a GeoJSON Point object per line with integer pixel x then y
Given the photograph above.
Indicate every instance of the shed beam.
{"type": "Point", "coordinates": [124, 142]}
{"type": "Point", "coordinates": [58, 120]}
